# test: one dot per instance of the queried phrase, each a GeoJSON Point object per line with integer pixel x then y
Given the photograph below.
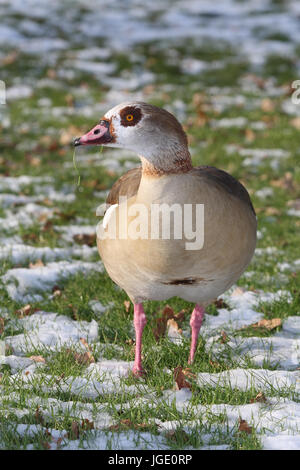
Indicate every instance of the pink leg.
{"type": "Point", "coordinates": [195, 322]}
{"type": "Point", "coordinates": [139, 321]}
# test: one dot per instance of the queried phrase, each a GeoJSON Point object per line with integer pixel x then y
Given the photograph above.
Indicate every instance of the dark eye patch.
{"type": "Point", "coordinates": [130, 116]}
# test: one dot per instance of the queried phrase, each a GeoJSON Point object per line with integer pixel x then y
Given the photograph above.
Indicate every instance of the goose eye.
{"type": "Point", "coordinates": [129, 117]}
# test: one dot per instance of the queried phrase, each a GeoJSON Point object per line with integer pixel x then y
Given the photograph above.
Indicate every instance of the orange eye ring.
{"type": "Point", "coordinates": [129, 117]}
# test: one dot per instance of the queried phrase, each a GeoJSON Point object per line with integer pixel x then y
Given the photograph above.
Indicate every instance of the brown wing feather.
{"type": "Point", "coordinates": [127, 185]}
{"type": "Point", "coordinates": [226, 181]}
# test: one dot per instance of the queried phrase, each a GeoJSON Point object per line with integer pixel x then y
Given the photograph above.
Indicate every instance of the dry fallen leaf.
{"type": "Point", "coordinates": [173, 325]}
{"type": "Point", "coordinates": [46, 445]}
{"type": "Point", "coordinates": [37, 358]}
{"type": "Point", "coordinates": [244, 426]}
{"type": "Point", "coordinates": [127, 305]}
{"type": "Point", "coordinates": [161, 322]}
{"type": "Point", "coordinates": [224, 338]}
{"type": "Point", "coordinates": [249, 135]}
{"type": "Point", "coordinates": [267, 105]}
{"type": "Point", "coordinates": [295, 123]}
{"type": "Point", "coordinates": [238, 291]}
{"type": "Point", "coordinates": [74, 433]}
{"type": "Point", "coordinates": [56, 291]}
{"type": "Point", "coordinates": [180, 376]}
{"type": "Point", "coordinates": [85, 343]}
{"type": "Point", "coordinates": [260, 398]}
{"type": "Point", "coordinates": [87, 424]}
{"type": "Point", "coordinates": [38, 416]}
{"type": "Point", "coordinates": [272, 211]}
{"type": "Point", "coordinates": [22, 312]}
{"type": "Point", "coordinates": [10, 58]}
{"type": "Point", "coordinates": [58, 442]}
{"type": "Point", "coordinates": [286, 182]}
{"type": "Point", "coordinates": [294, 204]}
{"type": "Point", "coordinates": [1, 325]}
{"type": "Point", "coordinates": [85, 239]}
{"type": "Point", "coordinates": [82, 358]}
{"type": "Point", "coordinates": [268, 324]}
{"type": "Point", "coordinates": [160, 328]}
{"type": "Point", "coordinates": [38, 264]}
{"type": "Point", "coordinates": [174, 436]}
{"type": "Point", "coordinates": [215, 364]}
{"type": "Point", "coordinates": [127, 423]}
{"type": "Point", "coordinates": [220, 303]}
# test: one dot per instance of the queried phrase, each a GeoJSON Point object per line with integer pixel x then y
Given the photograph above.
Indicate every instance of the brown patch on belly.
{"type": "Point", "coordinates": [185, 281]}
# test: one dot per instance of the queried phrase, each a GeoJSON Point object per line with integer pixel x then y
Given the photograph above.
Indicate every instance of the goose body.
{"type": "Point", "coordinates": [158, 267]}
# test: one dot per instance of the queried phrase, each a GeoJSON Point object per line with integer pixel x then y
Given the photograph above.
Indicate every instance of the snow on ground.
{"type": "Point", "coordinates": [20, 281]}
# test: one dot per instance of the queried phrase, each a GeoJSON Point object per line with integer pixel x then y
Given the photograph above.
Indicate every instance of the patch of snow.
{"type": "Point", "coordinates": [51, 330]}
{"type": "Point", "coordinates": [24, 285]}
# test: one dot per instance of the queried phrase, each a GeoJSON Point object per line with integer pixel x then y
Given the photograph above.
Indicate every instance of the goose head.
{"type": "Point", "coordinates": [151, 132]}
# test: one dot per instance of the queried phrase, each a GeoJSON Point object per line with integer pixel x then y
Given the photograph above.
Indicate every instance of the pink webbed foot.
{"type": "Point", "coordinates": [139, 321]}
{"type": "Point", "coordinates": [195, 322]}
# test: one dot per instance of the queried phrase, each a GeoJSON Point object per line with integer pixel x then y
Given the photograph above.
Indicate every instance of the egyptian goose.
{"type": "Point", "coordinates": [151, 267]}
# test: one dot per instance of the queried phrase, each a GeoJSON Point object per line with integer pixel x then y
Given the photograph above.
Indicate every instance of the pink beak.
{"type": "Point", "coordinates": [97, 136]}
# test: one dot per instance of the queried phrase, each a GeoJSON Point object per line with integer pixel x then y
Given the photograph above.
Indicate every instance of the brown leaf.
{"type": "Point", "coordinates": [249, 135]}
{"type": "Point", "coordinates": [295, 123]}
{"type": "Point", "coordinates": [175, 436]}
{"type": "Point", "coordinates": [272, 211]}
{"type": "Point", "coordinates": [286, 182]}
{"type": "Point", "coordinates": [260, 398]}
{"type": "Point", "coordinates": [82, 358]}
{"type": "Point", "coordinates": [238, 291]}
{"type": "Point", "coordinates": [267, 105]}
{"type": "Point", "coordinates": [224, 338]}
{"type": "Point", "coordinates": [87, 424]}
{"type": "Point", "coordinates": [48, 226]}
{"type": "Point", "coordinates": [47, 202]}
{"type": "Point", "coordinates": [180, 316]}
{"type": "Point", "coordinates": [38, 264]}
{"type": "Point", "coordinates": [46, 445]}
{"type": "Point", "coordinates": [215, 364]}
{"type": "Point", "coordinates": [34, 161]}
{"type": "Point", "coordinates": [85, 343]}
{"type": "Point", "coordinates": [85, 239]}
{"type": "Point", "coordinates": [220, 303]}
{"type": "Point", "coordinates": [1, 325]}
{"type": "Point", "coordinates": [295, 204]}
{"type": "Point", "coordinates": [24, 311]}
{"type": "Point", "coordinates": [180, 376]}
{"type": "Point", "coordinates": [65, 215]}
{"type": "Point", "coordinates": [268, 324]}
{"type": "Point", "coordinates": [58, 442]}
{"type": "Point", "coordinates": [172, 324]}
{"type": "Point", "coordinates": [168, 312]}
{"type": "Point", "coordinates": [37, 358]}
{"type": "Point", "coordinates": [10, 58]}
{"type": "Point", "coordinates": [56, 291]}
{"type": "Point", "coordinates": [127, 304]}
{"type": "Point", "coordinates": [38, 416]}
{"type": "Point", "coordinates": [161, 322]}
{"type": "Point", "coordinates": [86, 358]}
{"type": "Point", "coordinates": [244, 426]}
{"type": "Point", "coordinates": [160, 329]}
{"type": "Point", "coordinates": [74, 433]}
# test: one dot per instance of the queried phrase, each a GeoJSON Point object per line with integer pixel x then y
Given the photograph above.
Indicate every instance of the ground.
{"type": "Point", "coordinates": [67, 337]}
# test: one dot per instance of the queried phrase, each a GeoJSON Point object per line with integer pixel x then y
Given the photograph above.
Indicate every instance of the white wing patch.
{"type": "Point", "coordinates": [108, 215]}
